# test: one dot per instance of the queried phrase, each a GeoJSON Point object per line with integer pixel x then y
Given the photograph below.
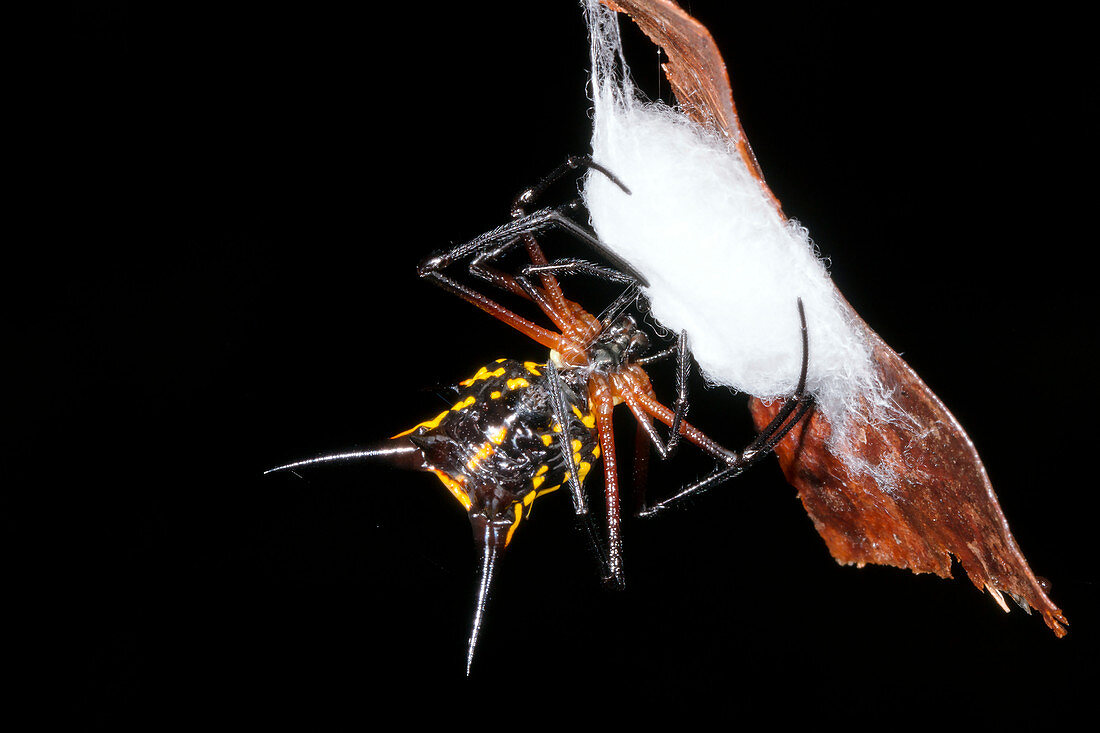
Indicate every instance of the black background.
{"type": "Point", "coordinates": [222, 279]}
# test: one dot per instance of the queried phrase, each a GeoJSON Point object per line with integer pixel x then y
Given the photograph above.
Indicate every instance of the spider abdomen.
{"type": "Point", "coordinates": [499, 445]}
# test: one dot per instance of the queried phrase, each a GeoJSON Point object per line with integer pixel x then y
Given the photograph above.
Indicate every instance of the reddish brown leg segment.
{"type": "Point", "coordinates": [535, 332]}
{"type": "Point", "coordinates": [641, 469]}
{"type": "Point", "coordinates": [637, 388]}
{"type": "Point", "coordinates": [603, 405]}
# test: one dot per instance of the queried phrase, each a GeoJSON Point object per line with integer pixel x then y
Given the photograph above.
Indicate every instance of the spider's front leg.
{"type": "Point", "coordinates": [572, 163]}
{"type": "Point", "coordinates": [625, 272]}
{"type": "Point", "coordinates": [494, 243]}
{"type": "Point", "coordinates": [479, 252]}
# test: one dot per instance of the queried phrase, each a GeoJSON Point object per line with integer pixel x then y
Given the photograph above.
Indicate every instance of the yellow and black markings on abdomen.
{"type": "Point", "coordinates": [498, 447]}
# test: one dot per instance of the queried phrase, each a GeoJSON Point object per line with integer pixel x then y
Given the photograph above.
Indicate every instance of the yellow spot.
{"type": "Point", "coordinates": [464, 404]}
{"type": "Point", "coordinates": [483, 373]}
{"type": "Point", "coordinates": [556, 427]}
{"type": "Point", "coordinates": [495, 395]}
{"type": "Point", "coordinates": [596, 452]}
{"type": "Point", "coordinates": [512, 529]}
{"type": "Point", "coordinates": [589, 420]}
{"type": "Point", "coordinates": [517, 383]}
{"type": "Point", "coordinates": [483, 452]}
{"type": "Point", "coordinates": [455, 488]}
{"type": "Point", "coordinates": [533, 368]}
{"type": "Point", "coordinates": [576, 446]}
{"type": "Point", "coordinates": [547, 440]}
{"type": "Point", "coordinates": [529, 499]}
{"type": "Point", "coordinates": [498, 437]}
{"type": "Point", "coordinates": [539, 476]}
{"type": "Point", "coordinates": [500, 361]}
{"type": "Point", "coordinates": [433, 423]}
{"type": "Point", "coordinates": [582, 470]}
{"type": "Point", "coordinates": [547, 491]}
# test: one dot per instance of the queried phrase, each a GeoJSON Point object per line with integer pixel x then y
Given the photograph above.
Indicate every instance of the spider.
{"type": "Point", "coordinates": [522, 430]}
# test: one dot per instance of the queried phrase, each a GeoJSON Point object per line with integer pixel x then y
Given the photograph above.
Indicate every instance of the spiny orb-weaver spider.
{"type": "Point", "coordinates": [522, 430]}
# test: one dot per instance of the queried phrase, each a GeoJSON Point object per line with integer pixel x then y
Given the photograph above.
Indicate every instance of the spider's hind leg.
{"type": "Point", "coordinates": [794, 409]}
{"type": "Point", "coordinates": [625, 272]}
{"type": "Point", "coordinates": [680, 404]}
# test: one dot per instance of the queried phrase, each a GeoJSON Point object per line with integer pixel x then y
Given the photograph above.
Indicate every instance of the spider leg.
{"type": "Point", "coordinates": [763, 443]}
{"type": "Point", "coordinates": [495, 242]}
{"type": "Point", "coordinates": [573, 266]}
{"type": "Point", "coordinates": [529, 224]}
{"type": "Point", "coordinates": [645, 424]}
{"type": "Point", "coordinates": [734, 469]}
{"type": "Point", "coordinates": [603, 404]}
{"type": "Point", "coordinates": [550, 299]}
{"type": "Point", "coordinates": [646, 434]}
{"type": "Point", "coordinates": [564, 313]}
{"type": "Point", "coordinates": [560, 219]}
{"type": "Point", "coordinates": [479, 266]}
{"type": "Point", "coordinates": [572, 163]}
{"type": "Point", "coordinates": [561, 413]}
{"type": "Point", "coordinates": [490, 246]}
{"type": "Point", "coordinates": [565, 442]}
{"type": "Point", "coordinates": [681, 403]}
{"type": "Point", "coordinates": [784, 421]}
{"type": "Point", "coordinates": [549, 283]}
{"type": "Point", "coordinates": [641, 468]}
{"type": "Point", "coordinates": [572, 320]}
{"type": "Point", "coordinates": [635, 384]}
{"type": "Point", "coordinates": [539, 334]}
